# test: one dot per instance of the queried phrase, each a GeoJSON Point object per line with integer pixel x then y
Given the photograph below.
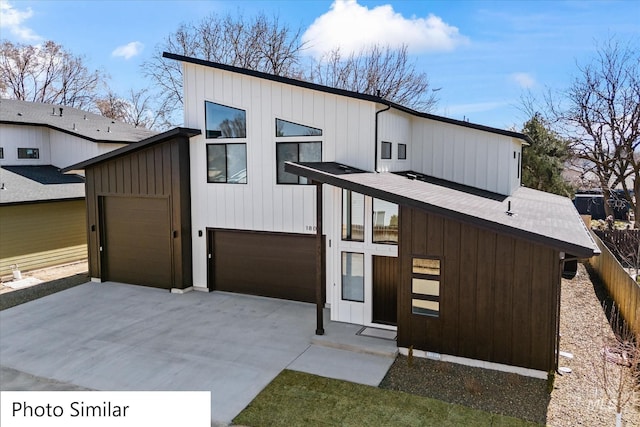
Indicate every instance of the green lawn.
{"type": "Point", "coordinates": [299, 399]}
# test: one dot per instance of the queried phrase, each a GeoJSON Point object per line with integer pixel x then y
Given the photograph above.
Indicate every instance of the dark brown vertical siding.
{"type": "Point", "coordinates": [451, 293]}
{"type": "Point", "coordinates": [159, 171]}
{"type": "Point", "coordinates": [498, 294]}
{"type": "Point", "coordinates": [468, 279]}
{"type": "Point", "coordinates": [385, 290]}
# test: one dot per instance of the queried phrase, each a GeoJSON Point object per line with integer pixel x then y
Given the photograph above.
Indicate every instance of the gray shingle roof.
{"type": "Point", "coordinates": [536, 216]}
{"type": "Point", "coordinates": [73, 121]}
{"type": "Point", "coordinates": [24, 184]}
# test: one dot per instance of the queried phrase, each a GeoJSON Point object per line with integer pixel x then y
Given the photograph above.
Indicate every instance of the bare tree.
{"type": "Point", "coordinates": [261, 43]}
{"type": "Point", "coordinates": [601, 113]}
{"type": "Point", "coordinates": [48, 74]}
{"type": "Point", "coordinates": [136, 109]}
{"type": "Point", "coordinates": [619, 370]}
{"type": "Point", "coordinates": [377, 70]}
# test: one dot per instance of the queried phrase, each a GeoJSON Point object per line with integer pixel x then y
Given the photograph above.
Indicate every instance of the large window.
{"type": "Point", "coordinates": [296, 152]}
{"type": "Point", "coordinates": [224, 122]}
{"type": "Point", "coordinates": [28, 153]}
{"type": "Point", "coordinates": [285, 128]}
{"type": "Point", "coordinates": [385, 222]}
{"type": "Point", "coordinates": [352, 216]}
{"type": "Point", "coordinates": [353, 276]}
{"type": "Point", "coordinates": [425, 286]}
{"type": "Point", "coordinates": [227, 163]}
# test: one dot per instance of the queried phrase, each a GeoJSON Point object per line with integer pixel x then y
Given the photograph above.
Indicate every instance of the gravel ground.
{"type": "Point", "coordinates": [576, 399]}
{"type": "Point", "coordinates": [55, 279]}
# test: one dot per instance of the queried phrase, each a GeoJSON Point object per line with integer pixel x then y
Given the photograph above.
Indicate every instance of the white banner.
{"type": "Point", "coordinates": [105, 408]}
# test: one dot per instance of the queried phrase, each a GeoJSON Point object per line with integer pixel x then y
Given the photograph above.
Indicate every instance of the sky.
{"type": "Point", "coordinates": [480, 56]}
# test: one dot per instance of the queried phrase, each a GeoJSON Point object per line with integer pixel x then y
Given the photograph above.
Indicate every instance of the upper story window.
{"type": "Point", "coordinates": [28, 153]}
{"type": "Point", "coordinates": [304, 148]}
{"type": "Point", "coordinates": [285, 128]}
{"type": "Point", "coordinates": [386, 150]}
{"type": "Point", "coordinates": [296, 152]}
{"type": "Point", "coordinates": [385, 222]}
{"type": "Point", "coordinates": [402, 151]}
{"type": "Point", "coordinates": [227, 163]}
{"type": "Point", "coordinates": [224, 122]}
{"type": "Point", "coordinates": [352, 216]}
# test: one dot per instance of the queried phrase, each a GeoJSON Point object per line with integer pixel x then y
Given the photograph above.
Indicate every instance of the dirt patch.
{"type": "Point", "coordinates": [576, 398]}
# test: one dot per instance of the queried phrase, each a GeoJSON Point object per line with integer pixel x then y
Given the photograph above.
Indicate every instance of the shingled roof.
{"type": "Point", "coordinates": [529, 214]}
{"type": "Point", "coordinates": [73, 121]}
{"type": "Point", "coordinates": [30, 184]}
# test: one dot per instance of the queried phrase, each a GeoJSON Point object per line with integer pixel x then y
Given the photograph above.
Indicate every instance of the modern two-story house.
{"type": "Point", "coordinates": [387, 216]}
{"type": "Point", "coordinates": [42, 211]}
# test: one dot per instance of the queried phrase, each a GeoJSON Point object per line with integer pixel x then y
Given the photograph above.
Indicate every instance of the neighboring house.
{"type": "Point", "coordinates": [420, 224]}
{"type": "Point", "coordinates": [42, 211]}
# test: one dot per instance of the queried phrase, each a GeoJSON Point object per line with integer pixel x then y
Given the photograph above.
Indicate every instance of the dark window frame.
{"type": "Point", "coordinates": [341, 276]}
{"type": "Point", "coordinates": [226, 163]}
{"type": "Point", "coordinates": [206, 127]}
{"type": "Point", "coordinates": [23, 153]}
{"type": "Point", "coordinates": [424, 297]}
{"type": "Point", "coordinates": [297, 124]}
{"type": "Point", "coordinates": [373, 223]}
{"type": "Point", "coordinates": [349, 235]}
{"type": "Point", "coordinates": [301, 179]}
{"type": "Point", "coordinates": [1, 152]}
{"type": "Point", "coordinates": [383, 154]}
{"type": "Point", "coordinates": [402, 155]}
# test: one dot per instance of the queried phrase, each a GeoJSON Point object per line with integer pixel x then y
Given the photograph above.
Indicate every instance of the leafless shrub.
{"type": "Point", "coordinates": [472, 385]}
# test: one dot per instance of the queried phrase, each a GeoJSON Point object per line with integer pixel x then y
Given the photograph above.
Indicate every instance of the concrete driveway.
{"type": "Point", "coordinates": [111, 336]}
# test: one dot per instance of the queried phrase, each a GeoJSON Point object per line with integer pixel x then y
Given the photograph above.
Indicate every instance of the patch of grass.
{"type": "Point", "coordinates": [299, 399]}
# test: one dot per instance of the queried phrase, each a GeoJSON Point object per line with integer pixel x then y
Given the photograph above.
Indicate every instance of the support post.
{"type": "Point", "coordinates": [319, 263]}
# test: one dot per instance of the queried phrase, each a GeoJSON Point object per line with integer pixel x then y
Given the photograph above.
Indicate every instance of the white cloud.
{"type": "Point", "coordinates": [128, 50]}
{"type": "Point", "coordinates": [13, 20]}
{"type": "Point", "coordinates": [524, 80]}
{"type": "Point", "coordinates": [351, 27]}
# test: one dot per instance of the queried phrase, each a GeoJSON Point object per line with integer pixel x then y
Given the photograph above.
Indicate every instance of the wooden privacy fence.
{"type": "Point", "coordinates": [623, 289]}
{"type": "Point", "coordinates": [623, 244]}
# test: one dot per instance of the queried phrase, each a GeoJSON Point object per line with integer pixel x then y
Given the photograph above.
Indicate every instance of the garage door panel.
{"type": "Point", "coordinates": [137, 240]}
{"type": "Point", "coordinates": [268, 264]}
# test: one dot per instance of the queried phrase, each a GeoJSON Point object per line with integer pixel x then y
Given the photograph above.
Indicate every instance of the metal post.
{"type": "Point", "coordinates": [319, 284]}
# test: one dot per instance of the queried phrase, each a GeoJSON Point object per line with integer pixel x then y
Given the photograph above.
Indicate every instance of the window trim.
{"type": "Point", "coordinates": [206, 137]}
{"type": "Point", "coordinates": [373, 223]}
{"type": "Point", "coordinates": [226, 162]}
{"type": "Point", "coordinates": [382, 151]}
{"type": "Point", "coordinates": [350, 210]}
{"type": "Point", "coordinates": [342, 298]}
{"type": "Point", "coordinates": [426, 297]}
{"type": "Point", "coordinates": [27, 157]}
{"type": "Point", "coordinates": [297, 124]}
{"type": "Point", "coordinates": [404, 156]}
{"type": "Point", "coordinates": [298, 155]}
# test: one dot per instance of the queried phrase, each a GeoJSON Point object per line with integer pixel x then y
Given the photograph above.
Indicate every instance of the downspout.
{"type": "Point", "coordinates": [375, 145]}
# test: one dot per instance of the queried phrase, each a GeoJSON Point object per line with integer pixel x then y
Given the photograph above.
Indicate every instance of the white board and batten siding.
{"type": "Point", "coordinates": [67, 150]}
{"type": "Point", "coordinates": [262, 205]}
{"type": "Point", "coordinates": [13, 137]}
{"type": "Point", "coordinates": [472, 157]}
{"type": "Point", "coordinates": [55, 148]}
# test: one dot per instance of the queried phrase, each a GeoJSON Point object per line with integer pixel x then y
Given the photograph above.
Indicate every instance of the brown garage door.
{"type": "Point", "coordinates": [137, 241]}
{"type": "Point", "coordinates": [274, 265]}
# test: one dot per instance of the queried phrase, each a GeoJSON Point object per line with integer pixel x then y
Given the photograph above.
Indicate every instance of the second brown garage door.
{"type": "Point", "coordinates": [277, 265]}
{"type": "Point", "coordinates": [137, 240]}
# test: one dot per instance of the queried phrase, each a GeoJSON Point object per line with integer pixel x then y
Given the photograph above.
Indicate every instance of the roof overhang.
{"type": "Point", "coordinates": [528, 214]}
{"type": "Point", "coordinates": [155, 139]}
